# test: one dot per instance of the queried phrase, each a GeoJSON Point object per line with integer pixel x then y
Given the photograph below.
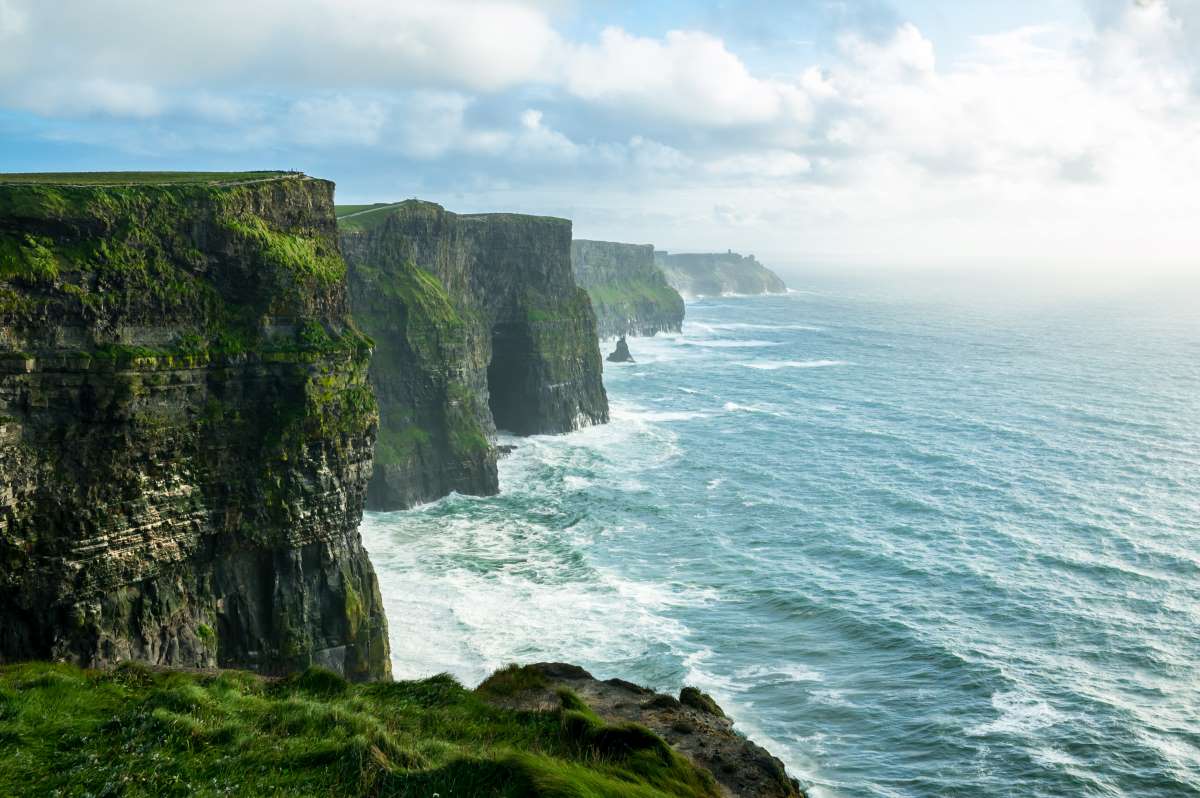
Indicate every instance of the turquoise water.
{"type": "Point", "coordinates": [917, 546]}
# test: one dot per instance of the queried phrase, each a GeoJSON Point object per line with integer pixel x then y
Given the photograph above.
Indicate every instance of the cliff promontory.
{"type": "Point", "coordinates": [479, 325]}
{"type": "Point", "coordinates": [717, 273]}
{"type": "Point", "coordinates": [186, 426]}
{"type": "Point", "coordinates": [629, 292]}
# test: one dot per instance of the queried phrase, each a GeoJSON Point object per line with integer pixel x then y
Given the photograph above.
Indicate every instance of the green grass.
{"type": "Point", "coordinates": [132, 732]}
{"type": "Point", "coordinates": [139, 178]}
{"type": "Point", "coordinates": [366, 217]}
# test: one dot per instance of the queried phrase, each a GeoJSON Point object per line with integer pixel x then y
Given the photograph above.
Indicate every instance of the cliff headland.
{"type": "Point", "coordinates": [717, 273]}
{"type": "Point", "coordinates": [188, 424]}
{"type": "Point", "coordinates": [479, 325]}
{"type": "Point", "coordinates": [629, 292]}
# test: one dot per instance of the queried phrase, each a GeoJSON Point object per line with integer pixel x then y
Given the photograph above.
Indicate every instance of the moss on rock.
{"type": "Point", "coordinates": [196, 426]}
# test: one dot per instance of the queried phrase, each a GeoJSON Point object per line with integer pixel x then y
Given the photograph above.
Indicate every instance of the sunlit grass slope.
{"type": "Point", "coordinates": [137, 732]}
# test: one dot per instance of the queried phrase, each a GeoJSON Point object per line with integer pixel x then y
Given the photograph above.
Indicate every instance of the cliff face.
{"type": "Point", "coordinates": [714, 274]}
{"type": "Point", "coordinates": [186, 428]}
{"type": "Point", "coordinates": [479, 325]}
{"type": "Point", "coordinates": [629, 292]}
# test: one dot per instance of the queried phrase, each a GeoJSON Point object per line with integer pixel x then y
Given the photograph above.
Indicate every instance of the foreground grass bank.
{"type": "Point", "coordinates": [137, 732]}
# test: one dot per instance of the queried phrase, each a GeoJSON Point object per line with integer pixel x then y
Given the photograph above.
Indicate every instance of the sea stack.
{"type": "Point", "coordinates": [621, 353]}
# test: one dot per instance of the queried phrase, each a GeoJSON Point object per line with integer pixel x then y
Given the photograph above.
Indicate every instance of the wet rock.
{"type": "Point", "coordinates": [621, 353]}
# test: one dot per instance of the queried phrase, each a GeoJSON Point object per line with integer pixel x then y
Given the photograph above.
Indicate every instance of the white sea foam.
{"type": "Point", "coordinates": [749, 326]}
{"type": "Point", "coordinates": [722, 343]}
{"type": "Point", "coordinates": [1021, 713]}
{"type": "Point", "coordinates": [468, 595]}
{"type": "Point", "coordinates": [734, 407]}
{"type": "Point", "coordinates": [775, 365]}
{"type": "Point", "coordinates": [782, 672]}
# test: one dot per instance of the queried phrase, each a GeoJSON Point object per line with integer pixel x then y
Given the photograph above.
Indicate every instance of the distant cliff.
{"type": "Point", "coordinates": [186, 426]}
{"type": "Point", "coordinates": [716, 273]}
{"type": "Point", "coordinates": [479, 324]}
{"type": "Point", "coordinates": [629, 292]}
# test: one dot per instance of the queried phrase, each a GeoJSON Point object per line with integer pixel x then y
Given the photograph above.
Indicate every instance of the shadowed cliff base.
{"type": "Point", "coordinates": [186, 426]}
{"type": "Point", "coordinates": [479, 325]}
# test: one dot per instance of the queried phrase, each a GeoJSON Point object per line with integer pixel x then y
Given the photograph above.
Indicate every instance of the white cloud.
{"type": "Point", "coordinates": [537, 141]}
{"type": "Point", "coordinates": [769, 164]}
{"type": "Point", "coordinates": [478, 45]}
{"type": "Point", "coordinates": [1039, 139]}
{"type": "Point", "coordinates": [12, 20]}
{"type": "Point", "coordinates": [337, 121]}
{"type": "Point", "coordinates": [687, 76]}
{"type": "Point", "coordinates": [88, 97]}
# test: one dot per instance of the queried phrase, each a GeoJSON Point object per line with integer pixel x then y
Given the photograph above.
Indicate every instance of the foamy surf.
{"type": "Point", "coordinates": [776, 365]}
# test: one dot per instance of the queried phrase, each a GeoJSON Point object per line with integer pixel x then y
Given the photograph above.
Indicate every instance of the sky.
{"type": "Point", "coordinates": [1061, 133]}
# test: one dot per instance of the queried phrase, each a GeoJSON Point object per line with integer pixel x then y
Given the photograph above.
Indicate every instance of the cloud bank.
{"type": "Point", "coordinates": [1047, 140]}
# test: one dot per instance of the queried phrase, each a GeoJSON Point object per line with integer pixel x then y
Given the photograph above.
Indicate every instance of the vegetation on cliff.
{"type": "Point", "coordinates": [717, 273]}
{"type": "Point", "coordinates": [136, 732]}
{"type": "Point", "coordinates": [479, 325]}
{"type": "Point", "coordinates": [183, 472]}
{"type": "Point", "coordinates": [629, 292]}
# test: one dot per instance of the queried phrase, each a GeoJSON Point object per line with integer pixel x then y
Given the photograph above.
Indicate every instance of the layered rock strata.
{"type": "Point", "coordinates": [629, 292]}
{"type": "Point", "coordinates": [186, 427]}
{"type": "Point", "coordinates": [479, 326]}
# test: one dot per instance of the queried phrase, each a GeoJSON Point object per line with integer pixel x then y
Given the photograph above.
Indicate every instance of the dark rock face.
{"type": "Point", "coordinates": [693, 725]}
{"type": "Point", "coordinates": [628, 290]}
{"type": "Point", "coordinates": [621, 353]}
{"type": "Point", "coordinates": [186, 430]}
{"type": "Point", "coordinates": [512, 341]}
{"type": "Point", "coordinates": [714, 274]}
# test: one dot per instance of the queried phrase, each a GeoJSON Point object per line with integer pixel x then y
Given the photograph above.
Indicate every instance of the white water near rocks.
{"type": "Point", "coordinates": [914, 547]}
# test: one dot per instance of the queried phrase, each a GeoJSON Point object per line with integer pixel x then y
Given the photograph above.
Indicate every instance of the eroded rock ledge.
{"type": "Point", "coordinates": [186, 427]}
{"type": "Point", "coordinates": [693, 724]}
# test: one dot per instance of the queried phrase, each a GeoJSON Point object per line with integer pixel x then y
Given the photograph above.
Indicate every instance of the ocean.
{"type": "Point", "coordinates": [940, 543]}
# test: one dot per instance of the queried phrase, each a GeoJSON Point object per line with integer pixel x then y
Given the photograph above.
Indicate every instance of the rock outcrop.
{"type": "Point", "coordinates": [629, 292]}
{"type": "Point", "coordinates": [186, 427]}
{"type": "Point", "coordinates": [694, 725]}
{"type": "Point", "coordinates": [479, 325]}
{"type": "Point", "coordinates": [621, 354]}
{"type": "Point", "coordinates": [714, 274]}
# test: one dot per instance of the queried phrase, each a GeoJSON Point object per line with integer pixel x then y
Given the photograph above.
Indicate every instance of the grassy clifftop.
{"type": "Point", "coordinates": [140, 178]}
{"type": "Point", "coordinates": [136, 732]}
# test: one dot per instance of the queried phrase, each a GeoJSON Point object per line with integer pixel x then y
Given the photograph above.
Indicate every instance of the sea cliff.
{"type": "Point", "coordinates": [186, 426]}
{"type": "Point", "coordinates": [629, 292]}
{"type": "Point", "coordinates": [717, 273]}
{"type": "Point", "coordinates": [480, 325]}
